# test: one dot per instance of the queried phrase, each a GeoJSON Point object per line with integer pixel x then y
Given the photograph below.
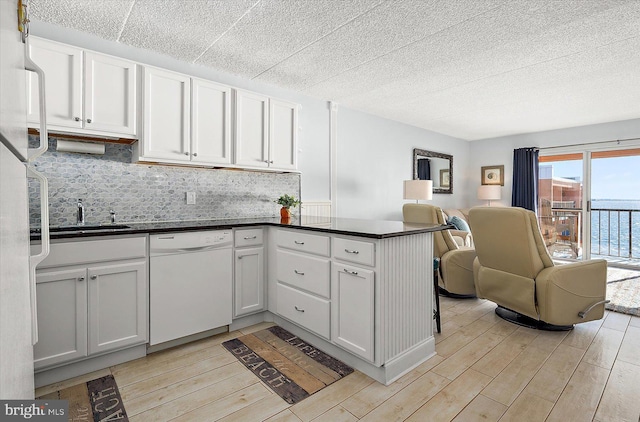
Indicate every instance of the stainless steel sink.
{"type": "Point", "coordinates": [83, 229]}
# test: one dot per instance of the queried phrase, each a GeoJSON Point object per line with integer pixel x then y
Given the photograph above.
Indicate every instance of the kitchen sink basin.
{"type": "Point", "coordinates": [83, 229]}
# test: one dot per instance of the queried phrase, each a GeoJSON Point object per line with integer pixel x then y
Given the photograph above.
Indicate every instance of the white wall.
{"type": "Point", "coordinates": [375, 155]}
{"type": "Point", "coordinates": [496, 151]}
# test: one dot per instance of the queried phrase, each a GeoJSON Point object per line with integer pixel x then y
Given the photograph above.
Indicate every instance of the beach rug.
{"type": "Point", "coordinates": [292, 368]}
{"type": "Point", "coordinates": [96, 400]}
{"type": "Point", "coordinates": [623, 290]}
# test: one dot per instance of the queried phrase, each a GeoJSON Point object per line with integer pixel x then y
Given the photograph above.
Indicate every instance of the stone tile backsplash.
{"type": "Point", "coordinates": [143, 192]}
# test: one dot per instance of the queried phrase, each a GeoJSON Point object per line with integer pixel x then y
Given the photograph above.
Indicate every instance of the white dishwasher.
{"type": "Point", "coordinates": [190, 283]}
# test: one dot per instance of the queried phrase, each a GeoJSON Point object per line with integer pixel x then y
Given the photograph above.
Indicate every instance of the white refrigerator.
{"type": "Point", "coordinates": [18, 328]}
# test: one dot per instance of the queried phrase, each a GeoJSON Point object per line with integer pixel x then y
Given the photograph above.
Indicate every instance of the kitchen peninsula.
{"type": "Point", "coordinates": [359, 290]}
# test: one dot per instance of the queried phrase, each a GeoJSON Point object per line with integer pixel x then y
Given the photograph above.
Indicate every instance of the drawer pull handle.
{"type": "Point", "coordinates": [350, 272]}
{"type": "Point", "coordinates": [298, 272]}
{"type": "Point", "coordinates": [298, 243]}
{"type": "Point", "coordinates": [353, 252]}
{"type": "Point", "coordinates": [298, 309]}
{"type": "Point", "coordinates": [250, 237]}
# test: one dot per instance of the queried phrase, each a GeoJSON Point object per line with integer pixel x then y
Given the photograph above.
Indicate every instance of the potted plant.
{"type": "Point", "coordinates": [287, 202]}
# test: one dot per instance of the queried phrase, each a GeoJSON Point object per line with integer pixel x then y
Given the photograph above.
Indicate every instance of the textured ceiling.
{"type": "Point", "coordinates": [472, 69]}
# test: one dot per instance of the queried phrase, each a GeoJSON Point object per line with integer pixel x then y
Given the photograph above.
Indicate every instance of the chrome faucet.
{"type": "Point", "coordinates": [113, 216]}
{"type": "Point", "coordinates": [80, 215]}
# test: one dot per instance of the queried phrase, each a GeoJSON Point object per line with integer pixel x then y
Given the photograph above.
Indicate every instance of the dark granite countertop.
{"type": "Point", "coordinates": [376, 229]}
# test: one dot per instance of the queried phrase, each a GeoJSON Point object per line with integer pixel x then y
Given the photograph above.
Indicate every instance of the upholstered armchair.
{"type": "Point", "coordinates": [456, 262]}
{"type": "Point", "coordinates": [514, 270]}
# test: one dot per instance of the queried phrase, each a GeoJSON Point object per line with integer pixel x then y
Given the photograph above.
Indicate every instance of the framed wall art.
{"type": "Point", "coordinates": [492, 175]}
{"type": "Point", "coordinates": [444, 178]}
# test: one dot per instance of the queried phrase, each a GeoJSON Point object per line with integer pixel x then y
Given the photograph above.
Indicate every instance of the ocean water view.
{"type": "Point", "coordinates": [616, 232]}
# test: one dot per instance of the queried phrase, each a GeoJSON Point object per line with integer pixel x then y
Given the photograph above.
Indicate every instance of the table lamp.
{"type": "Point", "coordinates": [418, 189]}
{"type": "Point", "coordinates": [489, 193]}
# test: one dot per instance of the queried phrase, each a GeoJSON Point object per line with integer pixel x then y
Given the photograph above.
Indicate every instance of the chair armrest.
{"type": "Point", "coordinates": [467, 239]}
{"type": "Point", "coordinates": [462, 257]}
{"type": "Point", "coordinates": [562, 291]}
{"type": "Point", "coordinates": [456, 268]}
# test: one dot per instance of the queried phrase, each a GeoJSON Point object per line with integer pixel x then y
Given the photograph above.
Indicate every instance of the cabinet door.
{"type": "Point", "coordinates": [210, 122]}
{"type": "Point", "coordinates": [109, 94]}
{"type": "Point", "coordinates": [166, 115]}
{"type": "Point", "coordinates": [352, 309]}
{"type": "Point", "coordinates": [117, 306]}
{"type": "Point", "coordinates": [62, 317]}
{"type": "Point", "coordinates": [62, 66]}
{"type": "Point", "coordinates": [283, 134]}
{"type": "Point", "coordinates": [249, 281]}
{"type": "Point", "coordinates": [252, 129]}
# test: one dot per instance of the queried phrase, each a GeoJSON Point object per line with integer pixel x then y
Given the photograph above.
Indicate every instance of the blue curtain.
{"type": "Point", "coordinates": [424, 169]}
{"type": "Point", "coordinates": [524, 191]}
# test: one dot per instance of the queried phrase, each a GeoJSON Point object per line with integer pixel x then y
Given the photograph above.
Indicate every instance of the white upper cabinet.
{"type": "Point", "coordinates": [283, 134]}
{"type": "Point", "coordinates": [87, 93]}
{"type": "Point", "coordinates": [210, 122]}
{"type": "Point", "coordinates": [166, 105]}
{"type": "Point", "coordinates": [62, 65]}
{"type": "Point", "coordinates": [109, 94]}
{"type": "Point", "coordinates": [252, 129]}
{"type": "Point", "coordinates": [266, 132]}
{"type": "Point", "coordinates": [185, 120]}
{"type": "Point", "coordinates": [176, 118]}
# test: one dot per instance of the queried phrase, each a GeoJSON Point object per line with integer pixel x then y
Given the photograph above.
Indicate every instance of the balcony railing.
{"type": "Point", "coordinates": [615, 232]}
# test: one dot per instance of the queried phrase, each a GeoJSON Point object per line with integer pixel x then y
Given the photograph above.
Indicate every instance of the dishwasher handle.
{"type": "Point", "coordinates": [165, 251]}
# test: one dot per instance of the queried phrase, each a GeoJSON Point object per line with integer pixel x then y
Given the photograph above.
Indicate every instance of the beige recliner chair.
{"type": "Point", "coordinates": [456, 262]}
{"type": "Point", "coordinates": [514, 270]}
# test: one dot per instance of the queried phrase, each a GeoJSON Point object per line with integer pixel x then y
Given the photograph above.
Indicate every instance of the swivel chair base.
{"type": "Point", "coordinates": [525, 321]}
{"type": "Point", "coordinates": [447, 293]}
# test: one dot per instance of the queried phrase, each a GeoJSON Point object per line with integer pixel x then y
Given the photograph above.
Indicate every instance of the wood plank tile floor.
{"type": "Point", "coordinates": [486, 369]}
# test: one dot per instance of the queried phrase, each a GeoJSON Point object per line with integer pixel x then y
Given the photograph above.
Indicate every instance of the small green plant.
{"type": "Point", "coordinates": [288, 201]}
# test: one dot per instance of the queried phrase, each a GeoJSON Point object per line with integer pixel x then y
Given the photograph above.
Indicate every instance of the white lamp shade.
{"type": "Point", "coordinates": [489, 192]}
{"type": "Point", "coordinates": [418, 189]}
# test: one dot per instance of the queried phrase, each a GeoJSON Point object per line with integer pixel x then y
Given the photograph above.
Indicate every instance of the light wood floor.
{"type": "Point", "coordinates": [486, 369]}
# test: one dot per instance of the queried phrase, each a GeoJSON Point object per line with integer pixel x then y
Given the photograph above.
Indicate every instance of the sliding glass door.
{"type": "Point", "coordinates": [615, 205]}
{"type": "Point", "coordinates": [589, 205]}
{"type": "Point", "coordinates": [560, 204]}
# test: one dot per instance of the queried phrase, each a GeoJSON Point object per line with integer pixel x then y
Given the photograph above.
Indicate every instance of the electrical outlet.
{"type": "Point", "coordinates": [191, 198]}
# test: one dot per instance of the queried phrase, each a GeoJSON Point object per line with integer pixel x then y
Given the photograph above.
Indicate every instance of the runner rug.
{"type": "Point", "coordinates": [623, 290]}
{"type": "Point", "coordinates": [292, 368]}
{"type": "Point", "coordinates": [96, 400]}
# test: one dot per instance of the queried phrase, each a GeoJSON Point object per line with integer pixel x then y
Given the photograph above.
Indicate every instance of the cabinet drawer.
{"type": "Point", "coordinates": [354, 251]}
{"type": "Point", "coordinates": [304, 242]}
{"type": "Point", "coordinates": [99, 250]}
{"type": "Point", "coordinates": [249, 237]}
{"type": "Point", "coordinates": [304, 272]}
{"type": "Point", "coordinates": [305, 310]}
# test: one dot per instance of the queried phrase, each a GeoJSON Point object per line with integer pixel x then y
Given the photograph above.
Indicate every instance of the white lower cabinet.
{"type": "Point", "coordinates": [320, 290]}
{"type": "Point", "coordinates": [93, 305]}
{"type": "Point", "coordinates": [249, 279]}
{"type": "Point", "coordinates": [62, 317]}
{"type": "Point", "coordinates": [117, 306]}
{"type": "Point", "coordinates": [352, 303]}
{"type": "Point", "coordinates": [310, 312]}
